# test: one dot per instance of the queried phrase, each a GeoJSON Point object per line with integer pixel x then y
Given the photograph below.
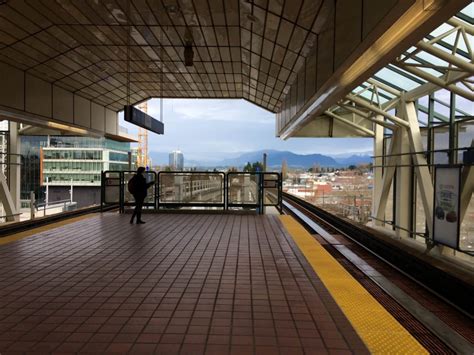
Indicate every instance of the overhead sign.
{"type": "Point", "coordinates": [446, 205]}
{"type": "Point", "coordinates": [141, 119]}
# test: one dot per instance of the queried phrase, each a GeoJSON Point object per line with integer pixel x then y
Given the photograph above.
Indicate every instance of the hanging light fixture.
{"type": "Point", "coordinates": [188, 48]}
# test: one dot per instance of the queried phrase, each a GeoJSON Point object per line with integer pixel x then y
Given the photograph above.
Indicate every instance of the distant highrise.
{"type": "Point", "coordinates": [176, 160]}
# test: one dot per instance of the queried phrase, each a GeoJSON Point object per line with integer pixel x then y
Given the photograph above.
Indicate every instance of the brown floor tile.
{"type": "Point", "coordinates": [167, 349]}
{"type": "Point", "coordinates": [192, 349]}
{"type": "Point", "coordinates": [213, 349]}
{"type": "Point", "coordinates": [188, 284]}
{"type": "Point", "coordinates": [119, 348]}
{"type": "Point", "coordinates": [143, 349]}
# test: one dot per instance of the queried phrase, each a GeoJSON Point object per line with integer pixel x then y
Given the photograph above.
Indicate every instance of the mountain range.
{"type": "Point", "coordinates": [274, 159]}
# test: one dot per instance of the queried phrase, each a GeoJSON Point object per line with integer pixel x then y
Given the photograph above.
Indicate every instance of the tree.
{"type": "Point", "coordinates": [352, 167]}
{"type": "Point", "coordinates": [284, 170]}
{"type": "Point", "coordinates": [251, 168]}
{"type": "Point", "coordinates": [257, 166]}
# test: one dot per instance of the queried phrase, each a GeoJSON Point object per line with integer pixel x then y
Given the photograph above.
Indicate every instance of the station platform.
{"type": "Point", "coordinates": [185, 283]}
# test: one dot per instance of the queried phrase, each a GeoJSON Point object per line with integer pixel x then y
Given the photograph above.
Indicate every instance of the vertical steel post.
{"type": "Point", "coordinates": [32, 205]}
{"type": "Point", "coordinates": [452, 128]}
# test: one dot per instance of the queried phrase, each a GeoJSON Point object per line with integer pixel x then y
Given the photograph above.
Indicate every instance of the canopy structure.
{"type": "Point", "coordinates": [419, 111]}
{"type": "Point", "coordinates": [443, 59]}
{"type": "Point", "coordinates": [79, 62]}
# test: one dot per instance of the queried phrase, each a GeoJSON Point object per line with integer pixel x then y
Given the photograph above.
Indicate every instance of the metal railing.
{"type": "Point", "coordinates": [196, 189]}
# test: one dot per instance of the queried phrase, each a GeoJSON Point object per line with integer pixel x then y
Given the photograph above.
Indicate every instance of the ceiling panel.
{"type": "Point", "coordinates": [242, 48]}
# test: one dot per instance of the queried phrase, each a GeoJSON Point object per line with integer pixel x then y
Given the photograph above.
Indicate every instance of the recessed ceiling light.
{"type": "Point", "coordinates": [172, 9]}
{"type": "Point", "coordinates": [252, 18]}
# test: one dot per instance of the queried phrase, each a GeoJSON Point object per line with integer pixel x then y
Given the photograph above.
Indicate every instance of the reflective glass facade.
{"type": "Point", "coordinates": [80, 160]}
{"type": "Point", "coordinates": [30, 149]}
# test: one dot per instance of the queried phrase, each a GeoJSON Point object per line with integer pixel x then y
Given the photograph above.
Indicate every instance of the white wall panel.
{"type": "Point", "coordinates": [12, 87]}
{"type": "Point", "coordinates": [82, 111]}
{"type": "Point", "coordinates": [36, 101]}
{"type": "Point", "coordinates": [111, 122]}
{"type": "Point", "coordinates": [97, 117]}
{"type": "Point", "coordinates": [38, 95]}
{"type": "Point", "coordinates": [63, 105]}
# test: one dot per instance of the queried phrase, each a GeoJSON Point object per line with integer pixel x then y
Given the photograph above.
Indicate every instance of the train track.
{"type": "Point", "coordinates": [375, 273]}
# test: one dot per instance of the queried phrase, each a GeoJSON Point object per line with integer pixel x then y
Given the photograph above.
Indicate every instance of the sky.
{"type": "Point", "coordinates": [213, 129]}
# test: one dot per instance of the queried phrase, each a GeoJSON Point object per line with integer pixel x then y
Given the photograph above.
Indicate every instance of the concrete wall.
{"type": "Point", "coordinates": [84, 195]}
{"type": "Point", "coordinates": [28, 99]}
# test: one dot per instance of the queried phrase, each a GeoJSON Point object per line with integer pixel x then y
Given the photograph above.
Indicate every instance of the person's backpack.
{"type": "Point", "coordinates": [132, 185]}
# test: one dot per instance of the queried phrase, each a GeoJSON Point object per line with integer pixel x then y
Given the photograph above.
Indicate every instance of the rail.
{"type": "Point", "coordinates": [415, 265]}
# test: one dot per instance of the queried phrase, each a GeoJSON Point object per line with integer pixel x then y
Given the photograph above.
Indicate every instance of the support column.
{"type": "Point", "coordinates": [14, 170]}
{"type": "Point", "coordinates": [422, 171]}
{"type": "Point", "coordinates": [378, 170]}
{"type": "Point", "coordinates": [403, 198]}
{"type": "Point", "coordinates": [391, 161]}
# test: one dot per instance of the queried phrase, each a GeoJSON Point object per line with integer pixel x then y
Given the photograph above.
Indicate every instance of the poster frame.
{"type": "Point", "coordinates": [447, 166]}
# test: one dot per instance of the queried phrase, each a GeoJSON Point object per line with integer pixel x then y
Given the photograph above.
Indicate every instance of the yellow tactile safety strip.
{"type": "Point", "coordinates": [380, 332]}
{"type": "Point", "coordinates": [31, 232]}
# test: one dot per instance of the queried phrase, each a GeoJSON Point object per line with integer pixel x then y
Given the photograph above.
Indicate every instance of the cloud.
{"type": "Point", "coordinates": [211, 129]}
{"type": "Point", "coordinates": [229, 110]}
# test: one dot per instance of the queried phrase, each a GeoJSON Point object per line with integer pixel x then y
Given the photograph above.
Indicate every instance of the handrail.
{"type": "Point", "coordinates": [12, 215]}
{"type": "Point", "coordinates": [264, 184]}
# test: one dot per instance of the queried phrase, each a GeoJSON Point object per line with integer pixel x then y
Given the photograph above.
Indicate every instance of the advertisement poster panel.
{"type": "Point", "coordinates": [446, 205]}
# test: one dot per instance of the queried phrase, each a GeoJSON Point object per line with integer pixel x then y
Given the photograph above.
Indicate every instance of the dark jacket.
{"type": "Point", "coordinates": [141, 187]}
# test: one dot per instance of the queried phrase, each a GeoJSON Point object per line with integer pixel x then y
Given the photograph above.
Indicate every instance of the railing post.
{"type": "Point", "coordinates": [32, 205]}
{"type": "Point", "coordinates": [226, 191]}
{"type": "Point", "coordinates": [122, 191]}
{"type": "Point", "coordinates": [102, 190]}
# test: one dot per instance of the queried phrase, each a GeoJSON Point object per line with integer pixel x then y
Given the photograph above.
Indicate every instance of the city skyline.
{"type": "Point", "coordinates": [212, 129]}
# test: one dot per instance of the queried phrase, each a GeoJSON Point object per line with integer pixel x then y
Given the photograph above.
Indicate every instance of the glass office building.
{"type": "Point", "coordinates": [62, 161]}
{"type": "Point", "coordinates": [78, 161]}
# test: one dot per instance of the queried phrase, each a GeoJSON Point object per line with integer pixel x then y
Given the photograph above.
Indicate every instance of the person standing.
{"type": "Point", "coordinates": [138, 187]}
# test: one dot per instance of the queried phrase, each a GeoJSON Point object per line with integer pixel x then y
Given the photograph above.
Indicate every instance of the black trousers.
{"type": "Point", "coordinates": [138, 208]}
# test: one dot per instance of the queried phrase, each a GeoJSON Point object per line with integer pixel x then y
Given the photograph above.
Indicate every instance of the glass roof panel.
{"type": "Point", "coordinates": [400, 81]}
{"type": "Point", "coordinates": [445, 27]}
{"type": "Point", "coordinates": [468, 11]}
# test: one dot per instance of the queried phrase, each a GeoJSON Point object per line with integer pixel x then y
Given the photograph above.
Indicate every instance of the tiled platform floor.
{"type": "Point", "coordinates": [189, 284]}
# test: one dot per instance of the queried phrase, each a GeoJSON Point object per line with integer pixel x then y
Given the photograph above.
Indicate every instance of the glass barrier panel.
{"type": "Point", "coordinates": [191, 188]}
{"type": "Point", "coordinates": [243, 189]}
{"type": "Point", "coordinates": [112, 188]}
{"type": "Point", "coordinates": [271, 189]}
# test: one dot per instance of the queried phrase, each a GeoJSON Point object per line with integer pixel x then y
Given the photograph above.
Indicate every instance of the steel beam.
{"type": "Point", "coordinates": [369, 117]}
{"type": "Point", "coordinates": [438, 81]}
{"type": "Point", "coordinates": [381, 199]}
{"type": "Point", "coordinates": [349, 123]}
{"type": "Point", "coordinates": [363, 103]}
{"type": "Point", "coordinates": [450, 58]}
{"type": "Point", "coordinates": [428, 88]}
{"type": "Point", "coordinates": [378, 170]}
{"type": "Point", "coordinates": [421, 169]}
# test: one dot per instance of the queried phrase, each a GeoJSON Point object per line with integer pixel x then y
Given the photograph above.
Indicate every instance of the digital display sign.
{"type": "Point", "coordinates": [141, 119]}
{"type": "Point", "coordinates": [447, 190]}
